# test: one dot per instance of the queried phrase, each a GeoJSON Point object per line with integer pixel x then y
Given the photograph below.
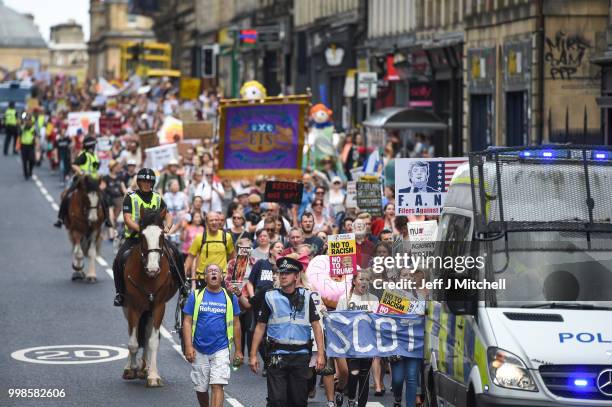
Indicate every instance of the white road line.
{"type": "Point", "coordinates": [45, 193]}
{"type": "Point", "coordinates": [164, 332]}
{"type": "Point", "coordinates": [374, 404]}
{"type": "Point", "coordinates": [233, 402]}
{"type": "Point", "coordinates": [102, 262]}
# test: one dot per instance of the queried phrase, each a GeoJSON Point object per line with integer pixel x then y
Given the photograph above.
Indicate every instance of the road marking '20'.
{"type": "Point", "coordinates": [70, 354]}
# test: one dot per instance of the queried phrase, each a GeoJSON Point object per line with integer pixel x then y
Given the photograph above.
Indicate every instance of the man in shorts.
{"type": "Point", "coordinates": [212, 316]}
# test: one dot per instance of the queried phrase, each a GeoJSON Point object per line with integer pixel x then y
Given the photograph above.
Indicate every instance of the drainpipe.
{"type": "Point", "coordinates": [541, 33]}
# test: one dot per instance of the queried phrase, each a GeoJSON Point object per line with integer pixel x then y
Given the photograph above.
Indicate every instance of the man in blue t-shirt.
{"type": "Point", "coordinates": [209, 351]}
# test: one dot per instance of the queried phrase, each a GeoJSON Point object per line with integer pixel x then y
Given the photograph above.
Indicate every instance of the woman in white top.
{"type": "Point", "coordinates": [176, 202]}
{"type": "Point", "coordinates": [321, 219]}
{"type": "Point", "coordinates": [261, 252]}
{"type": "Point", "coordinates": [389, 217]}
{"type": "Point", "coordinates": [336, 196]}
{"type": "Point", "coordinates": [355, 372]}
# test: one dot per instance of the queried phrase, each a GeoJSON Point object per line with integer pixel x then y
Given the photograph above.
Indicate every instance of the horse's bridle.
{"type": "Point", "coordinates": [144, 250]}
{"type": "Point", "coordinates": [90, 206]}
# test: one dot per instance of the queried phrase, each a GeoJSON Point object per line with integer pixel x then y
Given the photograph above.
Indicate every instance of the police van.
{"type": "Point", "coordinates": [540, 217]}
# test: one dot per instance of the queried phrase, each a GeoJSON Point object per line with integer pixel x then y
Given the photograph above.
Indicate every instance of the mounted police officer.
{"type": "Point", "coordinates": [144, 197]}
{"type": "Point", "coordinates": [289, 314]}
{"type": "Point", "coordinates": [86, 163]}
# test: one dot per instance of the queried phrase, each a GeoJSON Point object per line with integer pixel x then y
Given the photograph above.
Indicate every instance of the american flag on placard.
{"type": "Point", "coordinates": [441, 173]}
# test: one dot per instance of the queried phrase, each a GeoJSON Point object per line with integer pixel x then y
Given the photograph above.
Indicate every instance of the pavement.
{"type": "Point", "coordinates": [80, 339]}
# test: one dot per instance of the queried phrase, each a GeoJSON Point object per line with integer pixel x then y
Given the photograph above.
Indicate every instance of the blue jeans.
{"type": "Point", "coordinates": [406, 370]}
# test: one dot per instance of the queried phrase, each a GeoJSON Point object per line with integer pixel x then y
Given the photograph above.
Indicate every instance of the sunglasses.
{"type": "Point", "coordinates": [236, 217]}
{"type": "Point", "coordinates": [316, 204]}
{"type": "Point", "coordinates": [320, 193]}
{"type": "Point", "coordinates": [270, 230]}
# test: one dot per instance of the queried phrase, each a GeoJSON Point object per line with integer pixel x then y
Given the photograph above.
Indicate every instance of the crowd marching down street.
{"type": "Point", "coordinates": [265, 262]}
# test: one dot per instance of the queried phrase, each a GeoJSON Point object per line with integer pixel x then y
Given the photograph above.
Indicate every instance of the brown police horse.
{"type": "Point", "coordinates": [149, 286]}
{"type": "Point", "coordinates": [84, 224]}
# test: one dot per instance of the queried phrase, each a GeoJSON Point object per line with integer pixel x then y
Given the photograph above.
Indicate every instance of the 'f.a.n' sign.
{"type": "Point", "coordinates": [357, 334]}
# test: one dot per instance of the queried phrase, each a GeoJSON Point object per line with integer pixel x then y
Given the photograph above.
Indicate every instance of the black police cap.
{"type": "Point", "coordinates": [288, 265]}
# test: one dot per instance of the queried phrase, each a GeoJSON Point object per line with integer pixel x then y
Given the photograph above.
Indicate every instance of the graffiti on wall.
{"type": "Point", "coordinates": [566, 54]}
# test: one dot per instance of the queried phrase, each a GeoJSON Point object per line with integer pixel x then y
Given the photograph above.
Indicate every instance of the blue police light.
{"type": "Point", "coordinates": [600, 155]}
{"type": "Point", "coordinates": [581, 382]}
{"type": "Point", "coordinates": [547, 154]}
{"type": "Point", "coordinates": [525, 154]}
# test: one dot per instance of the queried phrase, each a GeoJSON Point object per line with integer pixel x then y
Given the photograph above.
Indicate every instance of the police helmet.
{"type": "Point", "coordinates": [146, 174]}
{"type": "Point", "coordinates": [89, 143]}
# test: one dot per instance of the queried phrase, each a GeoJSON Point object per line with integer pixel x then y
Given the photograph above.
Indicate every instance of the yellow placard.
{"type": "Point", "coordinates": [189, 88]}
{"type": "Point", "coordinates": [342, 247]}
{"type": "Point", "coordinates": [392, 300]}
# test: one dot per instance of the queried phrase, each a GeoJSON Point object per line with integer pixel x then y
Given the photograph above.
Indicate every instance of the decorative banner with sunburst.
{"type": "Point", "coordinates": [262, 138]}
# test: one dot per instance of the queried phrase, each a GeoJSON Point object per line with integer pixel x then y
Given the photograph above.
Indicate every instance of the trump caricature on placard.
{"type": "Point", "coordinates": [418, 175]}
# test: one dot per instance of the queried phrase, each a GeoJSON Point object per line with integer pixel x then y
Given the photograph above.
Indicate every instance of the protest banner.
{"type": "Point", "coordinates": [197, 129]}
{"type": "Point", "coordinates": [262, 138]}
{"type": "Point", "coordinates": [110, 124]}
{"type": "Point", "coordinates": [351, 195]}
{"type": "Point", "coordinates": [189, 88]}
{"type": "Point", "coordinates": [148, 139]}
{"type": "Point", "coordinates": [342, 253]}
{"type": "Point", "coordinates": [421, 184]}
{"type": "Point", "coordinates": [81, 121]}
{"type": "Point", "coordinates": [284, 191]}
{"type": "Point", "coordinates": [158, 157]}
{"type": "Point", "coordinates": [171, 131]}
{"type": "Point", "coordinates": [356, 334]}
{"type": "Point", "coordinates": [369, 195]}
{"type": "Point", "coordinates": [422, 237]}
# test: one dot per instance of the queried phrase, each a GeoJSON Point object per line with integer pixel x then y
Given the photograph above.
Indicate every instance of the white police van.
{"type": "Point", "coordinates": [541, 217]}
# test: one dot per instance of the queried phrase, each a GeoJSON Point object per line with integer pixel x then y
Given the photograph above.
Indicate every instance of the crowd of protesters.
{"type": "Point", "coordinates": [229, 220]}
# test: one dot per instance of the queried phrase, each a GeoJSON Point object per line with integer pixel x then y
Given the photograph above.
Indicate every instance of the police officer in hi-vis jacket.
{"type": "Point", "coordinates": [289, 315]}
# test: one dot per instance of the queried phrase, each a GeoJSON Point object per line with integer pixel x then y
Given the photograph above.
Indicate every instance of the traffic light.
{"type": "Point", "coordinates": [248, 37]}
{"type": "Point", "coordinates": [209, 65]}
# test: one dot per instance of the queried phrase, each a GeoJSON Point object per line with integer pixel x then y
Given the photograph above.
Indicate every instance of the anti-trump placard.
{"type": "Point", "coordinates": [421, 184]}
{"type": "Point", "coordinates": [342, 254]}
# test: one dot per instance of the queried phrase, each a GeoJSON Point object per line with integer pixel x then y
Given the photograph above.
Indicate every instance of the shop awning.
{"type": "Point", "coordinates": [404, 118]}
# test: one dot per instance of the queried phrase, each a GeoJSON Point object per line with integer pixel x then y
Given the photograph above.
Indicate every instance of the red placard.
{"type": "Point", "coordinates": [110, 124]}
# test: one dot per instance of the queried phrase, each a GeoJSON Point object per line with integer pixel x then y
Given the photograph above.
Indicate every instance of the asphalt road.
{"type": "Point", "coordinates": [40, 307]}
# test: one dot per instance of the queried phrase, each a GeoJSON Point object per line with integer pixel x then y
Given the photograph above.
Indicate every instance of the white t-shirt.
{"type": "Point", "coordinates": [212, 200]}
{"type": "Point", "coordinates": [366, 302]}
{"type": "Point", "coordinates": [176, 203]}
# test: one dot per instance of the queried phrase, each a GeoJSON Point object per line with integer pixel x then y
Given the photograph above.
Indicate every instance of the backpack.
{"type": "Point", "coordinates": [223, 240]}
